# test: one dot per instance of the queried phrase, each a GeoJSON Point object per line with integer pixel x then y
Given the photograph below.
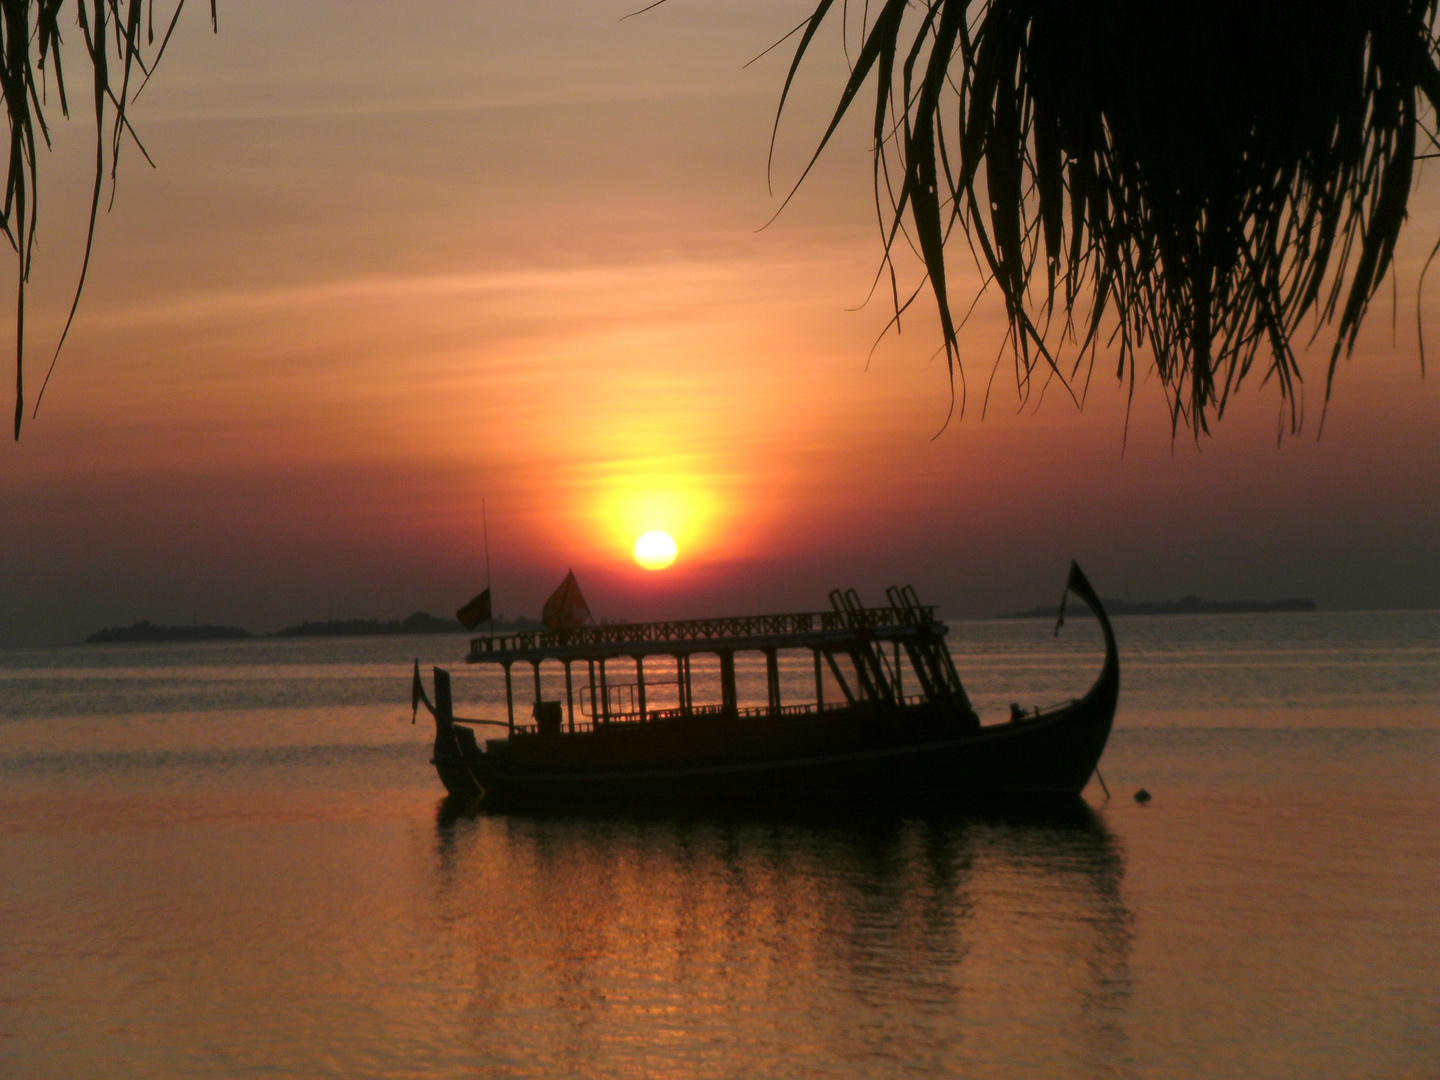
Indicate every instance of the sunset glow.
{"type": "Point", "coordinates": [683, 508]}
{"type": "Point", "coordinates": [655, 550]}
{"type": "Point", "coordinates": [559, 304]}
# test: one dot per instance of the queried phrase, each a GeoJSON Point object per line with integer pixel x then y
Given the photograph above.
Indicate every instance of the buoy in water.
{"type": "Point", "coordinates": [1142, 796]}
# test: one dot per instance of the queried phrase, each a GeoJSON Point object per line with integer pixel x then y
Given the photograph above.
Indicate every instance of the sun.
{"type": "Point", "coordinates": [655, 550]}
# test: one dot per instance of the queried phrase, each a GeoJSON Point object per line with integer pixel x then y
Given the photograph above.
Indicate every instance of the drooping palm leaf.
{"type": "Point", "coordinates": [31, 45]}
{"type": "Point", "coordinates": [1198, 177]}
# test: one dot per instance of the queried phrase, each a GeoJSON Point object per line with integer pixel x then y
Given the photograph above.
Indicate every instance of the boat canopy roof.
{"type": "Point", "coordinates": [840, 629]}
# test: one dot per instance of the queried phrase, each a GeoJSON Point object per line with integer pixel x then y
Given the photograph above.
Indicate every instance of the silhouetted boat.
{"type": "Point", "coordinates": [876, 742]}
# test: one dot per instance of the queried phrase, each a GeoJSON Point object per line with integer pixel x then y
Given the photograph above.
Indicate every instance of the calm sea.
{"type": "Point", "coordinates": [233, 860]}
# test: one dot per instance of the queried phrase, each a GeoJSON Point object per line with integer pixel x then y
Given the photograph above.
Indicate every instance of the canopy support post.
{"type": "Point", "coordinates": [509, 701]}
{"type": "Point", "coordinates": [604, 695]}
{"type": "Point", "coordinates": [569, 697]}
{"type": "Point", "coordinates": [594, 701]}
{"type": "Point", "coordinates": [772, 680]}
{"type": "Point", "coordinates": [682, 682]}
{"type": "Point", "coordinates": [729, 700]}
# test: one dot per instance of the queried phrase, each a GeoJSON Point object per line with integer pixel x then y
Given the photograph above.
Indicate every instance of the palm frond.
{"type": "Point", "coordinates": [1198, 178]}
{"type": "Point", "coordinates": [30, 46]}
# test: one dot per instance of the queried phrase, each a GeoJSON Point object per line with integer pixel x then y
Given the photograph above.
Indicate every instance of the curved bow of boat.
{"type": "Point", "coordinates": [1109, 681]}
{"type": "Point", "coordinates": [1101, 699]}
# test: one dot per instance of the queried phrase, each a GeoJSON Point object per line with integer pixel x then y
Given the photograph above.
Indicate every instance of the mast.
{"type": "Point", "coordinates": [485, 529]}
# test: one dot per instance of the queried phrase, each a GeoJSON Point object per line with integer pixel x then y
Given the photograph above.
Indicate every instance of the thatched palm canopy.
{"type": "Point", "coordinates": [1196, 177]}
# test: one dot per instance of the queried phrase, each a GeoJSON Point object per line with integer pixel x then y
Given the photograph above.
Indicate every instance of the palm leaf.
{"type": "Point", "coordinates": [1224, 170]}
{"type": "Point", "coordinates": [30, 46]}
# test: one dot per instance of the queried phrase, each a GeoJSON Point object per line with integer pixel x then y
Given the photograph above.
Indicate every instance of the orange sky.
{"type": "Point", "coordinates": [395, 258]}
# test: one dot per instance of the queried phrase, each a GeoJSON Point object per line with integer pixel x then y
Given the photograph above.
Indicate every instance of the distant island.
{"type": "Point", "coordinates": [148, 631]}
{"type": "Point", "coordinates": [1186, 605]}
{"type": "Point", "coordinates": [419, 623]}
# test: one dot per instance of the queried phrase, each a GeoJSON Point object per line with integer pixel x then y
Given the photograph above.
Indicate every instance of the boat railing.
{"type": "Point", "coordinates": [1020, 714]}
{"type": "Point", "coordinates": [653, 715]}
{"type": "Point", "coordinates": [693, 631]}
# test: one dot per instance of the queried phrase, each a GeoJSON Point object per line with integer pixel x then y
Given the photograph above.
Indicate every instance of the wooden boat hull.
{"type": "Point", "coordinates": [1055, 753]}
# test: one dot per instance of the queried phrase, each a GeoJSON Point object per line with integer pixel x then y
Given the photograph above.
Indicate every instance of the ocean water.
{"type": "Point", "coordinates": [233, 860]}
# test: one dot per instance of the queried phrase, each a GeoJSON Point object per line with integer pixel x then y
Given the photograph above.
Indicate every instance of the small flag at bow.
{"type": "Point", "coordinates": [566, 608]}
{"type": "Point", "coordinates": [417, 692]}
{"type": "Point", "coordinates": [475, 612]}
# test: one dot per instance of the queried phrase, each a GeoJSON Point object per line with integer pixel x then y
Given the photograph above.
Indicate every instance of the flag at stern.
{"type": "Point", "coordinates": [566, 609]}
{"type": "Point", "coordinates": [475, 612]}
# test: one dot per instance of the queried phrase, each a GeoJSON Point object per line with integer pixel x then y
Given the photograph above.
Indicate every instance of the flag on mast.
{"type": "Point", "coordinates": [475, 612]}
{"type": "Point", "coordinates": [566, 608]}
{"type": "Point", "coordinates": [417, 694]}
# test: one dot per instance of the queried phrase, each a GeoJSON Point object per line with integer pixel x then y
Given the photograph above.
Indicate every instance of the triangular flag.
{"type": "Point", "coordinates": [475, 612]}
{"type": "Point", "coordinates": [417, 694]}
{"type": "Point", "coordinates": [566, 608]}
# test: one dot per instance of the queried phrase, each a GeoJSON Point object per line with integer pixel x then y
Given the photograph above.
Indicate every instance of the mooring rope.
{"type": "Point", "coordinates": [1102, 782]}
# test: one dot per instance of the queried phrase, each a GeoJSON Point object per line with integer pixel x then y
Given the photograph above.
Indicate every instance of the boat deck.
{"type": "Point", "coordinates": [620, 716]}
{"type": "Point", "coordinates": [850, 633]}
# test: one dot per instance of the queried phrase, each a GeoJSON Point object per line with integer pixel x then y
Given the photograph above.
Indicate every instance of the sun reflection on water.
{"type": "Point", "coordinates": [719, 946]}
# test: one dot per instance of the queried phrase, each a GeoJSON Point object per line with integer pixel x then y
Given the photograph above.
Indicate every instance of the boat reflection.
{"type": "Point", "coordinates": [662, 940]}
